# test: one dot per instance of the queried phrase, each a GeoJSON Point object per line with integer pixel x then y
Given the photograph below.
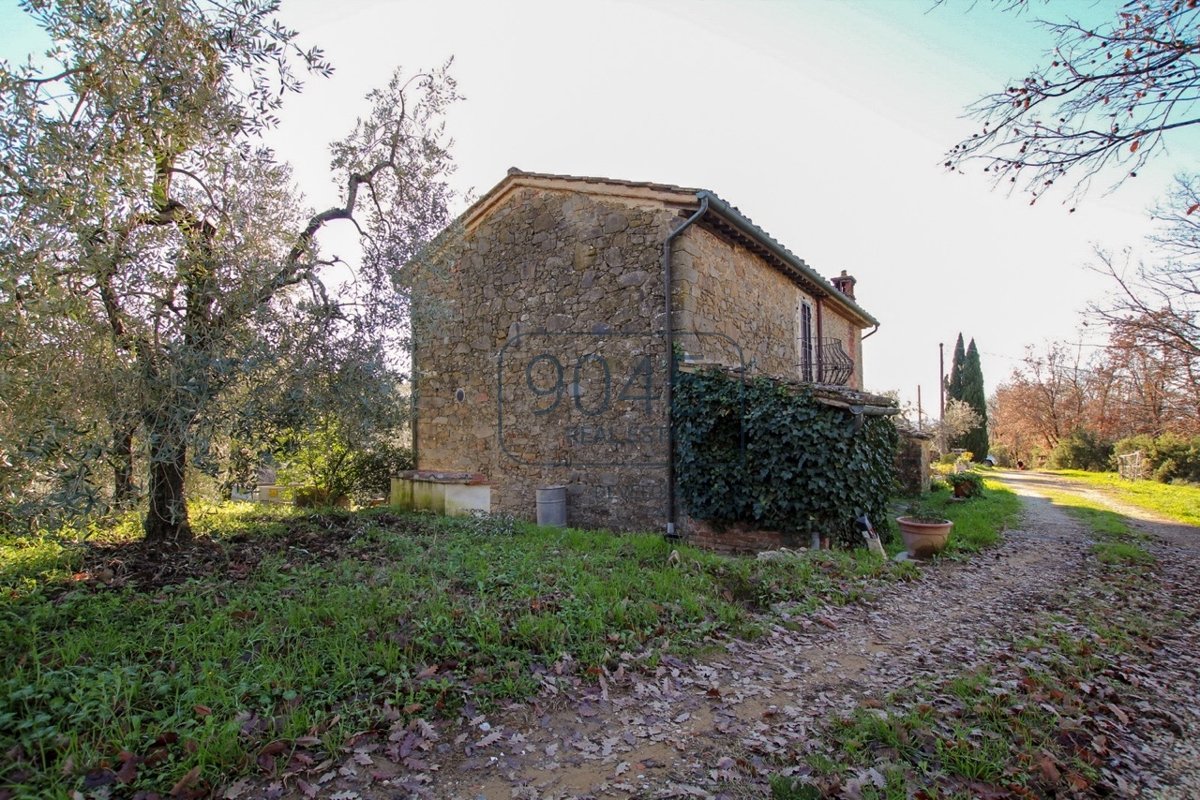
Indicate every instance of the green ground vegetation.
{"type": "Point", "coordinates": [283, 626]}
{"type": "Point", "coordinates": [1180, 502]}
{"type": "Point", "coordinates": [1116, 542]}
{"type": "Point", "coordinates": [282, 630]}
{"type": "Point", "coordinates": [978, 521]}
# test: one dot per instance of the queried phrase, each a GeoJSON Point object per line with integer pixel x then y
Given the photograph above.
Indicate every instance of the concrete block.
{"type": "Point", "coordinates": [461, 500]}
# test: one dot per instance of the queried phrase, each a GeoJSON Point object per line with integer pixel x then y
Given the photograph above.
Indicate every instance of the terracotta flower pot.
{"type": "Point", "coordinates": [923, 539]}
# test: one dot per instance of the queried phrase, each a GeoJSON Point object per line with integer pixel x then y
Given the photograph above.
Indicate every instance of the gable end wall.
{"type": "Point", "coordinates": [549, 278]}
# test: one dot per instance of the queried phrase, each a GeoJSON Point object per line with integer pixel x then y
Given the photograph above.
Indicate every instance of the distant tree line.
{"type": "Point", "coordinates": [1116, 88]}
{"type": "Point", "coordinates": [1072, 408]}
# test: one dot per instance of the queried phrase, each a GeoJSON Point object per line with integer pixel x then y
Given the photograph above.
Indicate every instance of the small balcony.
{"type": "Point", "coordinates": [827, 363]}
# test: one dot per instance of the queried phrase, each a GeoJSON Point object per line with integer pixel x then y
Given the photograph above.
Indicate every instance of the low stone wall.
{"type": "Point", "coordinates": [912, 463]}
{"type": "Point", "coordinates": [449, 493]}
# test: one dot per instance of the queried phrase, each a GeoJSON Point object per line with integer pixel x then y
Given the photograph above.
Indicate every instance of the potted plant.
{"type": "Point", "coordinates": [966, 484]}
{"type": "Point", "coordinates": [924, 530]}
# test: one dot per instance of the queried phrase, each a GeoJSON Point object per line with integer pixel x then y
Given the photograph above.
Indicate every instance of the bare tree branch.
{"type": "Point", "coordinates": [1107, 98]}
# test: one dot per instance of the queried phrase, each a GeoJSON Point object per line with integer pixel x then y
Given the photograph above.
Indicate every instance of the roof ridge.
{"type": "Point", "coordinates": [667, 187]}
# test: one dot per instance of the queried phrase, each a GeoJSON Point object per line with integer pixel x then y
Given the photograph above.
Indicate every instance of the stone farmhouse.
{"type": "Point", "coordinates": [540, 354]}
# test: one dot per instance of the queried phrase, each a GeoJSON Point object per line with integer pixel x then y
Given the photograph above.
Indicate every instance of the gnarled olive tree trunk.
{"type": "Point", "coordinates": [167, 516]}
{"type": "Point", "coordinates": [166, 513]}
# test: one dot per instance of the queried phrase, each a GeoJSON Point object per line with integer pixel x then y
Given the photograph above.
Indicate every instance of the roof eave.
{"type": "Point", "coordinates": [787, 258]}
{"type": "Point", "coordinates": [669, 196]}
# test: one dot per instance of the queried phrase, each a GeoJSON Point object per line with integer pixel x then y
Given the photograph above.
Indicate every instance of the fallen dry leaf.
{"type": "Point", "coordinates": [184, 783]}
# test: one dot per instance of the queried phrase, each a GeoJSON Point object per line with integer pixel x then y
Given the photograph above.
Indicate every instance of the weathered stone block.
{"type": "Point", "coordinates": [615, 222]}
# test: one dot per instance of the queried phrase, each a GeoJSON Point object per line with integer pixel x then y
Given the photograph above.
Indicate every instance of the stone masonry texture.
{"type": "Point", "coordinates": [726, 294]}
{"type": "Point", "coordinates": [538, 347]}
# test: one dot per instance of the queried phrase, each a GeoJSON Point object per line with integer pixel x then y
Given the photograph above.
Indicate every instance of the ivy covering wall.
{"type": "Point", "coordinates": [769, 454]}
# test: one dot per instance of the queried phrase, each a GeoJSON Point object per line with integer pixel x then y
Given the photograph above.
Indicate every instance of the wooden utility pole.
{"type": "Point", "coordinates": [941, 380]}
{"type": "Point", "coordinates": [919, 414]}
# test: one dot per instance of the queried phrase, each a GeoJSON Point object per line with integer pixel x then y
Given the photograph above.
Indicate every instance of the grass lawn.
{"type": "Point", "coordinates": [978, 521]}
{"type": "Point", "coordinates": [281, 634]}
{"type": "Point", "coordinates": [1178, 502]}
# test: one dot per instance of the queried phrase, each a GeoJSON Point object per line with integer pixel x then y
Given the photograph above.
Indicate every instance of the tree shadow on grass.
{"type": "Point", "coordinates": [289, 543]}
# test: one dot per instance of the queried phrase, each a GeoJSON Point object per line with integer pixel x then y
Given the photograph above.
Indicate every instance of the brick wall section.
{"type": "Point", "coordinates": [740, 539]}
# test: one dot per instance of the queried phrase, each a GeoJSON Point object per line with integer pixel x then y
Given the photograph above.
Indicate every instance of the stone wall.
{"type": "Point", "coordinates": [912, 463]}
{"type": "Point", "coordinates": [540, 361]}
{"type": "Point", "coordinates": [539, 357]}
{"type": "Point", "coordinates": [726, 298]}
{"type": "Point", "coordinates": [837, 327]}
{"type": "Point", "coordinates": [731, 307]}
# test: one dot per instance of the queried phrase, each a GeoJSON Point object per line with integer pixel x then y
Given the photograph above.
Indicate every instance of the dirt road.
{"type": "Point", "coordinates": [716, 727]}
{"type": "Point", "coordinates": [1034, 484]}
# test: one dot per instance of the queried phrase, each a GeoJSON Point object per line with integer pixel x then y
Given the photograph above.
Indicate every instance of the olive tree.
{"type": "Point", "coordinates": [958, 419]}
{"type": "Point", "coordinates": [151, 237]}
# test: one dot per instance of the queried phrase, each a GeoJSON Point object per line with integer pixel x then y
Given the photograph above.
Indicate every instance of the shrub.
{"type": "Point", "coordinates": [1169, 457]}
{"type": "Point", "coordinates": [1003, 455]}
{"type": "Point", "coordinates": [1083, 449]}
{"type": "Point", "coordinates": [966, 484]}
{"type": "Point", "coordinates": [317, 497]}
{"type": "Point", "coordinates": [375, 468]}
{"type": "Point", "coordinates": [1131, 444]}
{"type": "Point", "coordinates": [333, 465]}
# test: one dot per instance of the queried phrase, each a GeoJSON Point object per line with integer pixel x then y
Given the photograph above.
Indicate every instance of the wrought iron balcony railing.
{"type": "Point", "coordinates": [827, 362]}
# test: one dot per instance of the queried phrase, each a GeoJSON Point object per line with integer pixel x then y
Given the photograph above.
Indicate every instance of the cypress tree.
{"type": "Point", "coordinates": [976, 439]}
{"type": "Point", "coordinates": [954, 382]}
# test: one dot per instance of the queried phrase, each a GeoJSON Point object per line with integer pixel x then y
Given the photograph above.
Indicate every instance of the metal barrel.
{"type": "Point", "coordinates": [552, 506]}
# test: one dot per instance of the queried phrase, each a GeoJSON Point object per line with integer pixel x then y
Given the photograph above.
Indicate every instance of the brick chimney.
{"type": "Point", "coordinates": [844, 283]}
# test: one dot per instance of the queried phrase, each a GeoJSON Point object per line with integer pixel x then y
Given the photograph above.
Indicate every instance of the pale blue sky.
{"type": "Point", "coordinates": [825, 122]}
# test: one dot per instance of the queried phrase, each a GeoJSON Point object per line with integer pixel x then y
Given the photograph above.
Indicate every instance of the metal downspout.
{"type": "Point", "coordinates": [669, 338]}
{"type": "Point", "coordinates": [857, 355]}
